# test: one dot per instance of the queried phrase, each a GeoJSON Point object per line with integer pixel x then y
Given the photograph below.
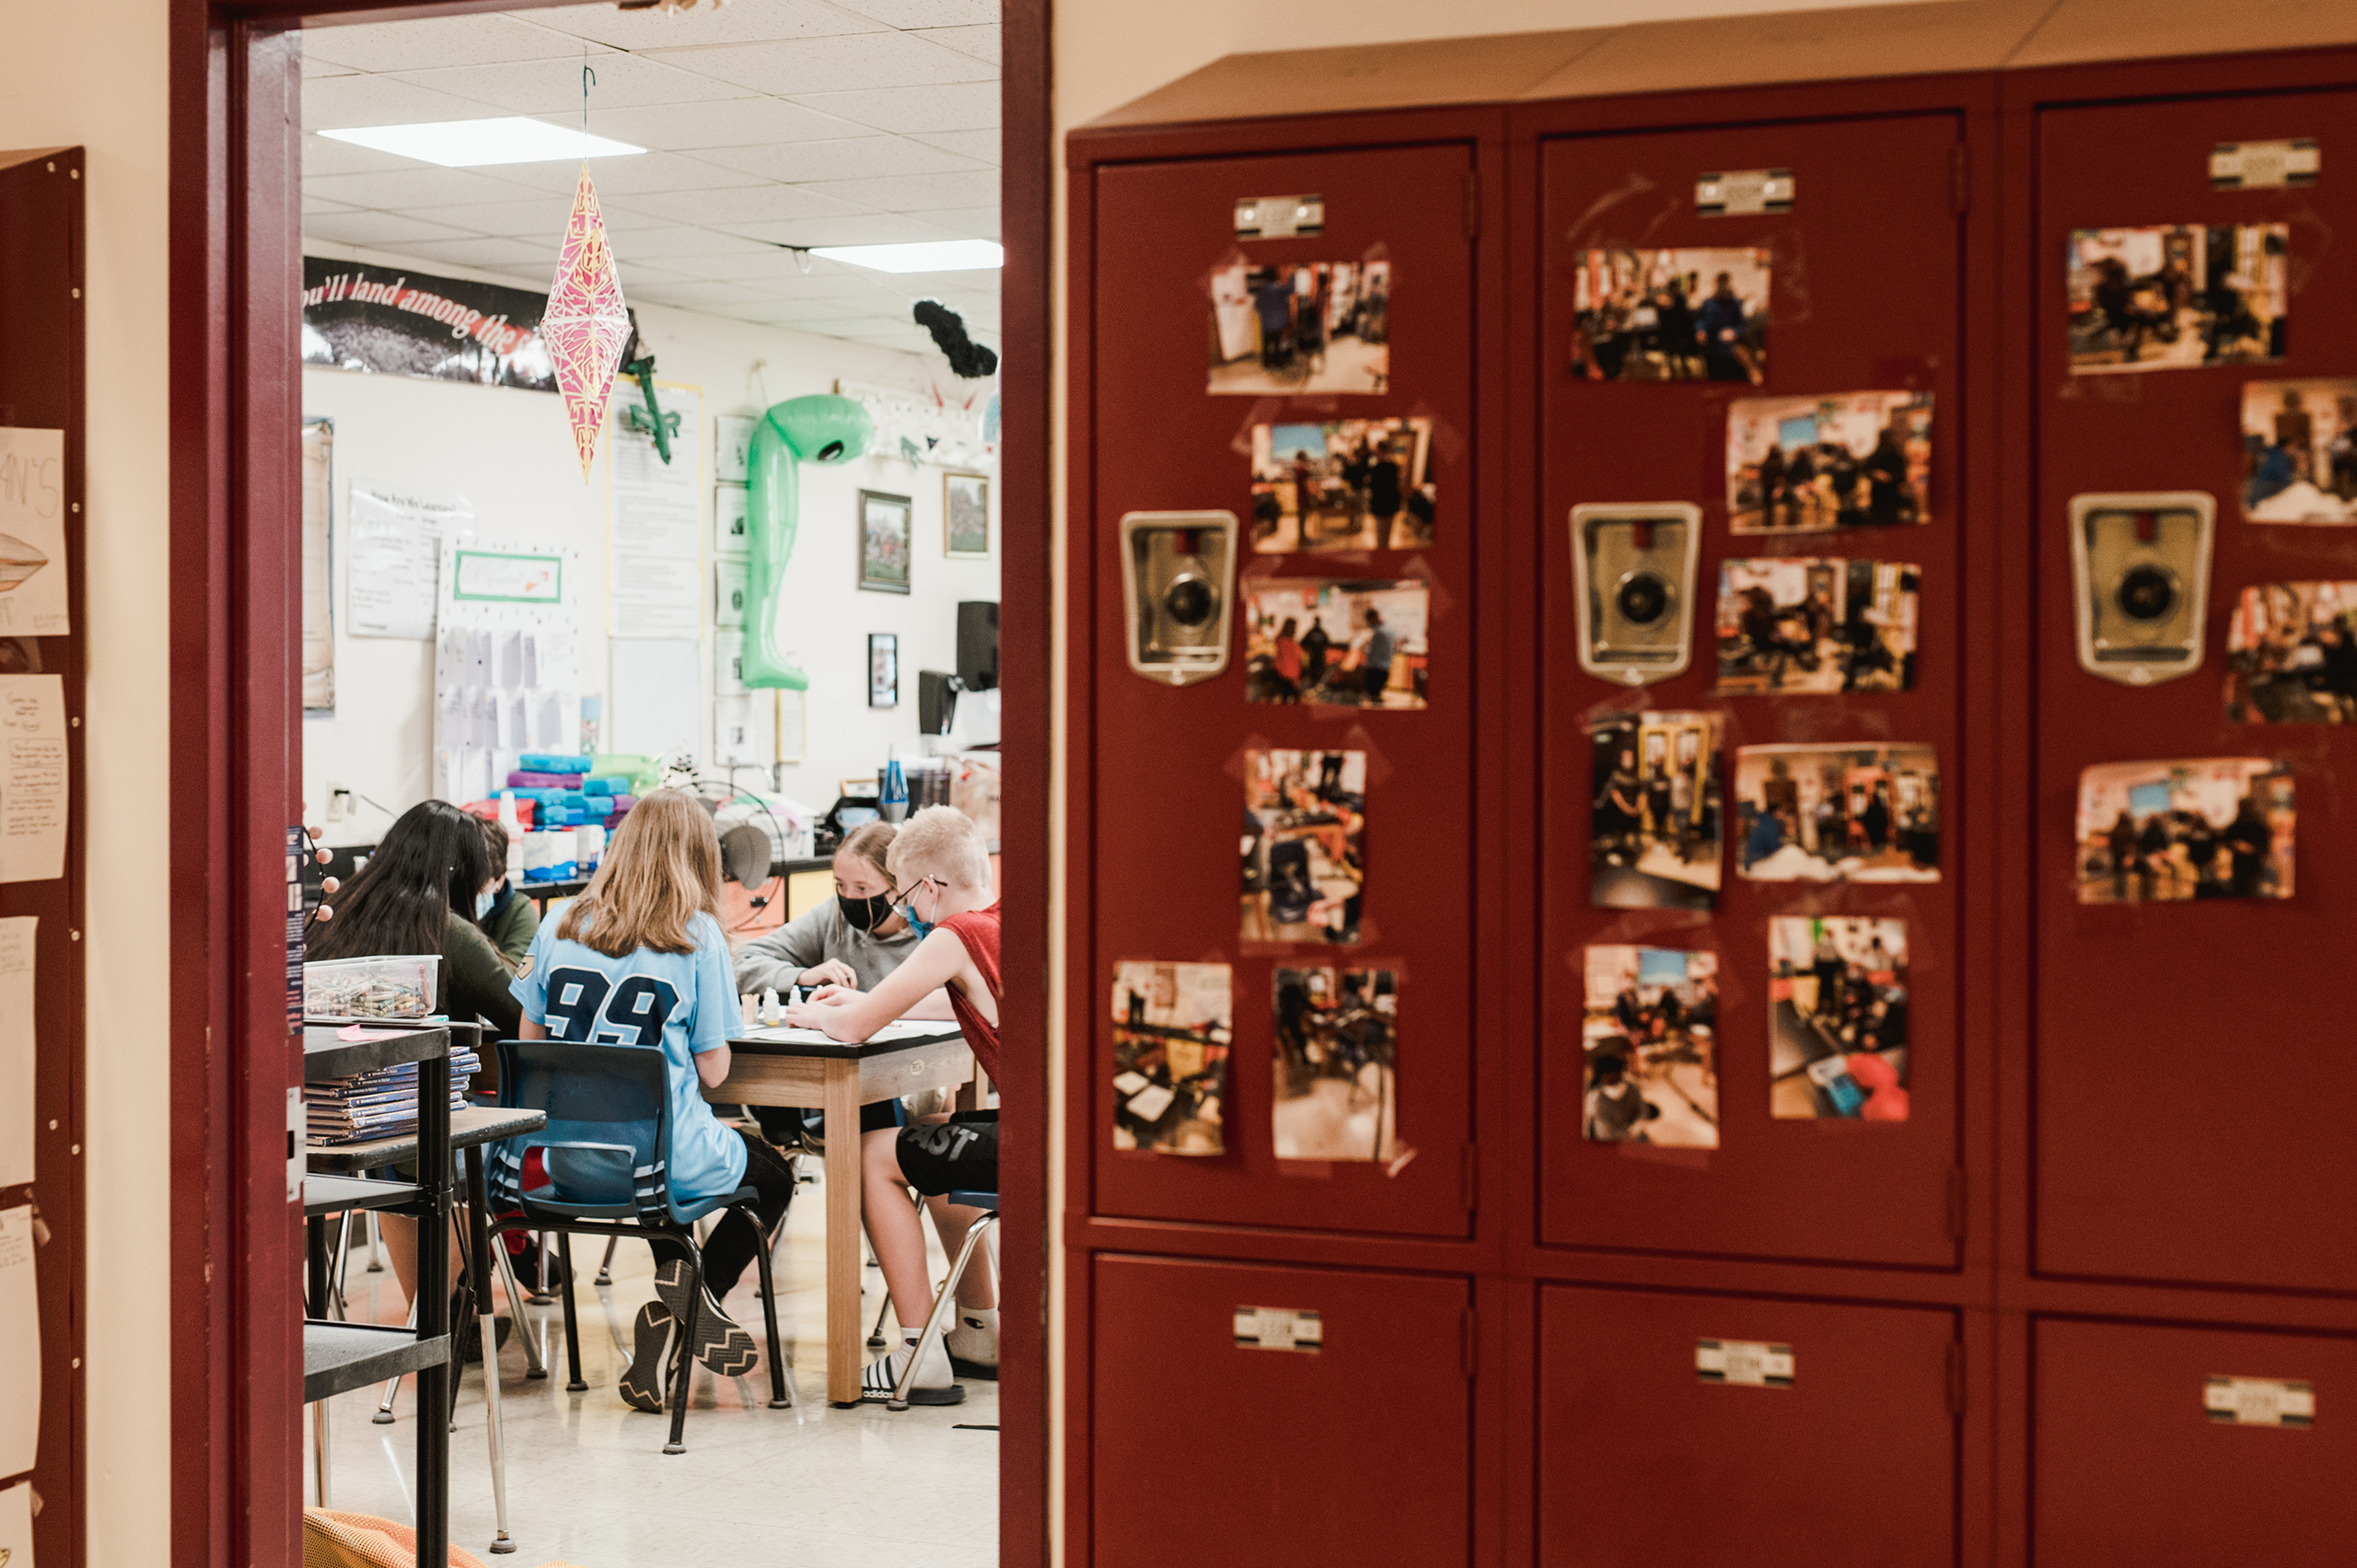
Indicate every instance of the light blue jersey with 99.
{"type": "Point", "coordinates": [681, 1004]}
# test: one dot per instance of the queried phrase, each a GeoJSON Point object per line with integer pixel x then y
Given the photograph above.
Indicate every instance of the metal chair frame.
{"type": "Point", "coordinates": [946, 1299]}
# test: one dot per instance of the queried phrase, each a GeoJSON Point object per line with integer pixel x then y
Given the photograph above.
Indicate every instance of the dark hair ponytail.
{"type": "Point", "coordinates": [431, 862]}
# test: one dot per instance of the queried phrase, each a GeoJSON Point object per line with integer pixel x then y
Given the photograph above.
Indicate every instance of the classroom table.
{"type": "Point", "coordinates": [803, 1068]}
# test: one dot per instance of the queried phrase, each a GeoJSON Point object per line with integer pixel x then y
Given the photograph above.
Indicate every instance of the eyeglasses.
{"type": "Point", "coordinates": [897, 894]}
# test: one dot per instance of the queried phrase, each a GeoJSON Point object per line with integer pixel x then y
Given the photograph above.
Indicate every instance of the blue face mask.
{"type": "Point", "coordinates": [923, 928]}
{"type": "Point", "coordinates": [484, 902]}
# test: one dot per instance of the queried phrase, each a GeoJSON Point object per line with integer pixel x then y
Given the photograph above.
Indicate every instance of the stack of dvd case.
{"type": "Point", "coordinates": [382, 1104]}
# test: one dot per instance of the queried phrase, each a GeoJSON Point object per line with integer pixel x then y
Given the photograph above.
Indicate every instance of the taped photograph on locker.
{"type": "Point", "coordinates": [1809, 813]}
{"type": "Point", "coordinates": [2191, 827]}
{"type": "Point", "coordinates": [1649, 1046]}
{"type": "Point", "coordinates": [2172, 297]}
{"type": "Point", "coordinates": [1342, 645]}
{"type": "Point", "coordinates": [2300, 452]}
{"type": "Point", "coordinates": [1305, 816]}
{"type": "Point", "coordinates": [1172, 1027]}
{"type": "Point", "coordinates": [1341, 485]}
{"type": "Point", "coordinates": [1697, 314]}
{"type": "Point", "coordinates": [1654, 830]}
{"type": "Point", "coordinates": [2292, 654]}
{"type": "Point", "coordinates": [1278, 331]}
{"type": "Point", "coordinates": [1815, 464]}
{"type": "Point", "coordinates": [1837, 1019]}
{"type": "Point", "coordinates": [1338, 1046]}
{"type": "Point", "coordinates": [1800, 624]}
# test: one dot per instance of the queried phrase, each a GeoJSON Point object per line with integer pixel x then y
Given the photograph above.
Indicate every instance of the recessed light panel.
{"type": "Point", "coordinates": [471, 143]}
{"type": "Point", "coordinates": [927, 256]}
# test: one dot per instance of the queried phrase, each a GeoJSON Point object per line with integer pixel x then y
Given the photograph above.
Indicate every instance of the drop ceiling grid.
{"type": "Point", "coordinates": [769, 123]}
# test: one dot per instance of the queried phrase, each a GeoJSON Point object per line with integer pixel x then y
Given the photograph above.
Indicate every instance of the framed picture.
{"type": "Point", "coordinates": [883, 670]}
{"type": "Point", "coordinates": [884, 541]}
{"type": "Point", "coordinates": [730, 534]}
{"type": "Point", "coordinates": [966, 516]}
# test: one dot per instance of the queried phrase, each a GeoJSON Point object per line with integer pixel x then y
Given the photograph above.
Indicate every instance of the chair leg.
{"type": "Point", "coordinates": [319, 1448]}
{"type": "Point", "coordinates": [336, 1304]}
{"type": "Point", "coordinates": [943, 1304]}
{"type": "Point", "coordinates": [876, 1335]}
{"type": "Point", "coordinates": [384, 1416]}
{"type": "Point", "coordinates": [376, 1245]}
{"type": "Point", "coordinates": [778, 1401]}
{"type": "Point", "coordinates": [488, 1326]}
{"type": "Point", "coordinates": [606, 1265]}
{"type": "Point", "coordinates": [535, 1368]}
{"type": "Point", "coordinates": [682, 1362]}
{"type": "Point", "coordinates": [571, 1319]}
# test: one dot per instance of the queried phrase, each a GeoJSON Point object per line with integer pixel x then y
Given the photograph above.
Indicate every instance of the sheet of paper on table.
{"type": "Point", "coordinates": [20, 1334]}
{"type": "Point", "coordinates": [905, 1029]}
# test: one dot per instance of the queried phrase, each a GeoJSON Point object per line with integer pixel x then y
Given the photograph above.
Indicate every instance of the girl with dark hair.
{"type": "Point", "coordinates": [418, 894]}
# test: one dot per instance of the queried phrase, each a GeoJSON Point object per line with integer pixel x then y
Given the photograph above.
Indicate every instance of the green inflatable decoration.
{"type": "Point", "coordinates": [821, 430]}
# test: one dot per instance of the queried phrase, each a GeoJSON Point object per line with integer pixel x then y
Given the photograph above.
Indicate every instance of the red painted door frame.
{"type": "Point", "coordinates": [236, 771]}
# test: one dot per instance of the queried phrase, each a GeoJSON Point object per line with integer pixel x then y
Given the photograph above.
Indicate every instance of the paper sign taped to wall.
{"type": "Point", "coordinates": [20, 1331]}
{"type": "Point", "coordinates": [17, 1122]}
{"type": "Point", "coordinates": [1739, 190]}
{"type": "Point", "coordinates": [2259, 1402]}
{"type": "Point", "coordinates": [1752, 1363]}
{"type": "Point", "coordinates": [1279, 1328]}
{"type": "Point", "coordinates": [32, 778]}
{"type": "Point", "coordinates": [32, 533]}
{"type": "Point", "coordinates": [2257, 165]}
{"type": "Point", "coordinates": [16, 1527]}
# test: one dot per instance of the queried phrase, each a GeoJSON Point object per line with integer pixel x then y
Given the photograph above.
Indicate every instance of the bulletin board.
{"type": "Point", "coordinates": [40, 391]}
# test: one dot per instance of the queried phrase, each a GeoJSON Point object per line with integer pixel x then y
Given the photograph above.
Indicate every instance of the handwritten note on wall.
{"type": "Point", "coordinates": [32, 778]}
{"type": "Point", "coordinates": [16, 1120]}
{"type": "Point", "coordinates": [32, 533]}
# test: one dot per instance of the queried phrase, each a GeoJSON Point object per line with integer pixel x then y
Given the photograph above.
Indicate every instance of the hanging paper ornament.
{"type": "Point", "coordinates": [587, 326]}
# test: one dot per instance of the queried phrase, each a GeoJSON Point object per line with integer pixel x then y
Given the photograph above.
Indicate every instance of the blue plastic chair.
{"type": "Point", "coordinates": [607, 1147]}
{"type": "Point", "coordinates": [946, 1299]}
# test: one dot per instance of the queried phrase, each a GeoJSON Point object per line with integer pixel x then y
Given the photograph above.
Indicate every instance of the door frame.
{"type": "Point", "coordinates": [236, 388]}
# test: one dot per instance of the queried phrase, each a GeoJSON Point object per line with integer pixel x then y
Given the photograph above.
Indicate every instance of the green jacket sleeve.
{"type": "Point", "coordinates": [513, 928]}
{"type": "Point", "coordinates": [478, 977]}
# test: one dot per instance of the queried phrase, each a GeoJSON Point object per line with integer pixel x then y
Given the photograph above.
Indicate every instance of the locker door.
{"type": "Point", "coordinates": [1168, 772]}
{"type": "Point", "coordinates": [1641, 1460]}
{"type": "Point", "coordinates": [2193, 1064]}
{"type": "Point", "coordinates": [2131, 1469]}
{"type": "Point", "coordinates": [1864, 296]}
{"type": "Point", "coordinates": [1208, 1452]}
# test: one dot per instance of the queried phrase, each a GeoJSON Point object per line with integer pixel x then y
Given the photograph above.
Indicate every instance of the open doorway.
{"type": "Point", "coordinates": [766, 161]}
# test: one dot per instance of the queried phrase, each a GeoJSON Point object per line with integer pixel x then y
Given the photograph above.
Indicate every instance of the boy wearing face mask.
{"type": "Point", "coordinates": [506, 917]}
{"type": "Point", "coordinates": [853, 940]}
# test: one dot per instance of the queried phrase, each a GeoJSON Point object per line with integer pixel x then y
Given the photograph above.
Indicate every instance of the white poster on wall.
{"type": "Point", "coordinates": [16, 1527]}
{"type": "Point", "coordinates": [32, 778]}
{"type": "Point", "coordinates": [732, 448]}
{"type": "Point", "coordinates": [395, 545]}
{"type": "Point", "coordinates": [655, 572]}
{"type": "Point", "coordinates": [32, 533]}
{"type": "Point", "coordinates": [16, 1122]}
{"type": "Point", "coordinates": [20, 1331]}
{"type": "Point", "coordinates": [655, 702]}
{"type": "Point", "coordinates": [507, 661]}
{"type": "Point", "coordinates": [730, 533]}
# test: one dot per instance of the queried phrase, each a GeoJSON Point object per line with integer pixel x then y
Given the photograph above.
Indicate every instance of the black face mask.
{"type": "Point", "coordinates": [865, 914]}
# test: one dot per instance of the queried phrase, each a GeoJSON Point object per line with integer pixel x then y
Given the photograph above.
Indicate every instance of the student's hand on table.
{"type": "Point", "coordinates": [834, 971]}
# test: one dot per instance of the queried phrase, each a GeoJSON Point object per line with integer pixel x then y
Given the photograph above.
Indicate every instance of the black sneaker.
{"type": "Point", "coordinates": [650, 1363]}
{"type": "Point", "coordinates": [718, 1343]}
{"type": "Point", "coordinates": [876, 1384]}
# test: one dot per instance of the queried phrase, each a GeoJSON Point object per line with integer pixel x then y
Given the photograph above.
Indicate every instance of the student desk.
{"type": "Point", "coordinates": [803, 1068]}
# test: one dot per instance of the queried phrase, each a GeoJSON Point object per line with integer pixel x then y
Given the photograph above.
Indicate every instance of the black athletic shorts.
{"type": "Point", "coordinates": [957, 1155]}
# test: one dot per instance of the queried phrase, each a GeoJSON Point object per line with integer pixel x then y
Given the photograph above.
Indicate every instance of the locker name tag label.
{"type": "Point", "coordinates": [2259, 166]}
{"type": "Point", "coordinates": [1278, 1328]}
{"type": "Point", "coordinates": [1278, 217]}
{"type": "Point", "coordinates": [1735, 191]}
{"type": "Point", "coordinates": [2258, 1402]}
{"type": "Point", "coordinates": [1753, 1364]}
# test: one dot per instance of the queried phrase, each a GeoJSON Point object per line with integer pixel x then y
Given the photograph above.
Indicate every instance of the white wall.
{"type": "Point", "coordinates": [509, 453]}
{"type": "Point", "coordinates": [94, 73]}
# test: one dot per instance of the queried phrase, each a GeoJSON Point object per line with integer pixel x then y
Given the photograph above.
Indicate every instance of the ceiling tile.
{"type": "Point", "coordinates": [315, 67]}
{"type": "Point", "coordinates": [377, 229]}
{"type": "Point", "coordinates": [967, 223]}
{"type": "Point", "coordinates": [323, 155]}
{"type": "Point", "coordinates": [823, 64]}
{"type": "Point", "coordinates": [678, 245]}
{"type": "Point", "coordinates": [725, 122]}
{"type": "Point", "coordinates": [735, 210]}
{"type": "Point", "coordinates": [761, 264]}
{"type": "Point", "coordinates": [981, 43]}
{"type": "Point", "coordinates": [982, 146]}
{"type": "Point", "coordinates": [646, 173]}
{"type": "Point", "coordinates": [694, 292]}
{"type": "Point", "coordinates": [553, 87]}
{"type": "Point", "coordinates": [507, 254]}
{"type": "Point", "coordinates": [854, 157]}
{"type": "Point", "coordinates": [522, 215]}
{"type": "Point", "coordinates": [957, 106]}
{"type": "Point", "coordinates": [438, 40]}
{"type": "Point", "coordinates": [742, 22]}
{"type": "Point", "coordinates": [332, 103]}
{"type": "Point", "coordinates": [914, 192]}
{"type": "Point", "coordinates": [419, 185]}
{"type": "Point", "coordinates": [796, 312]}
{"type": "Point", "coordinates": [927, 13]}
{"type": "Point", "coordinates": [849, 228]}
{"type": "Point", "coordinates": [313, 206]}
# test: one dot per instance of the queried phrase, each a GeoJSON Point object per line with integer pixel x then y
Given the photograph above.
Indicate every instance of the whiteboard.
{"type": "Point", "coordinates": [655, 695]}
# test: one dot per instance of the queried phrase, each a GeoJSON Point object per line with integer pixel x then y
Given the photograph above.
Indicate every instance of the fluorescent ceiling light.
{"type": "Point", "coordinates": [469, 144]}
{"type": "Point", "coordinates": [928, 256]}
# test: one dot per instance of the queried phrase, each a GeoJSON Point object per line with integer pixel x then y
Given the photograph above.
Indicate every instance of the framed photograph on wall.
{"type": "Point", "coordinates": [966, 516]}
{"type": "Point", "coordinates": [883, 670]}
{"type": "Point", "coordinates": [884, 541]}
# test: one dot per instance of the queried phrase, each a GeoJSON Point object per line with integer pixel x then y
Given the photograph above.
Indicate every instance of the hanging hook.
{"type": "Point", "coordinates": [588, 80]}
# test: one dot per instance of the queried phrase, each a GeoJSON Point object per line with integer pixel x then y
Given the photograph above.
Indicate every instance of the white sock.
{"type": "Point", "coordinates": [933, 1368]}
{"type": "Point", "coordinates": [974, 1335]}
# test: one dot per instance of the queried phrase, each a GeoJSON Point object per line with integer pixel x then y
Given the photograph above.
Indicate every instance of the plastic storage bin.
{"type": "Point", "coordinates": [390, 986]}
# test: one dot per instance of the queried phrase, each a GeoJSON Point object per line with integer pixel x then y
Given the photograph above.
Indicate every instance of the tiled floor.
{"type": "Point", "coordinates": [587, 1480]}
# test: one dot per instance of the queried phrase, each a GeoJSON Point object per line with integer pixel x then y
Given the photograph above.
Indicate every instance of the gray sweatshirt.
{"type": "Point", "coordinates": [819, 933]}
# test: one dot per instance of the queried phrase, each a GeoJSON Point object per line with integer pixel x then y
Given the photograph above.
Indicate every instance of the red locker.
{"type": "Point", "coordinates": [1167, 779]}
{"type": "Point", "coordinates": [1865, 294]}
{"type": "Point", "coordinates": [1207, 1451]}
{"type": "Point", "coordinates": [1641, 1460]}
{"type": "Point", "coordinates": [2132, 1468]}
{"type": "Point", "coordinates": [2192, 1064]}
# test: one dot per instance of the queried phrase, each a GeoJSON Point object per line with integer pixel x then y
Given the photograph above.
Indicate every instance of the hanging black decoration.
{"type": "Point", "coordinates": [968, 358]}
